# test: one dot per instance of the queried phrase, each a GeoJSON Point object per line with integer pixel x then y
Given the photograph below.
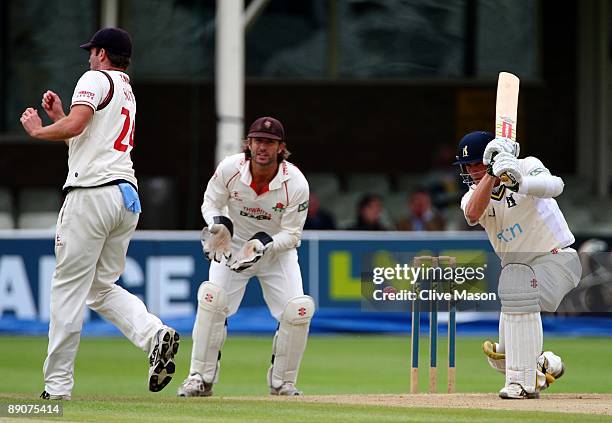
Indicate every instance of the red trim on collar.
{"type": "Point", "coordinates": [230, 179]}
{"type": "Point", "coordinates": [265, 189]}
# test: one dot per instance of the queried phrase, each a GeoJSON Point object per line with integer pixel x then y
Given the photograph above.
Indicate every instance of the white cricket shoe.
{"type": "Point", "coordinates": [47, 396]}
{"type": "Point", "coordinates": [516, 391]}
{"type": "Point", "coordinates": [286, 389]}
{"type": "Point", "coordinates": [194, 386]}
{"type": "Point", "coordinates": [164, 346]}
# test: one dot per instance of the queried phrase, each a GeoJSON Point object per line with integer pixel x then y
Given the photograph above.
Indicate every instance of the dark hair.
{"type": "Point", "coordinates": [282, 156]}
{"type": "Point", "coordinates": [117, 60]}
{"type": "Point", "coordinates": [366, 199]}
{"type": "Point", "coordinates": [364, 202]}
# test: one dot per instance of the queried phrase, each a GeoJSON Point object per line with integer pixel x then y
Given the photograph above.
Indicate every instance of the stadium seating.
{"type": "Point", "coordinates": [409, 182]}
{"type": "Point", "coordinates": [325, 184]}
{"type": "Point", "coordinates": [6, 209]}
{"type": "Point", "coordinates": [344, 208]}
{"type": "Point", "coordinates": [368, 182]}
{"type": "Point", "coordinates": [396, 204]}
{"type": "Point", "coordinates": [38, 208]}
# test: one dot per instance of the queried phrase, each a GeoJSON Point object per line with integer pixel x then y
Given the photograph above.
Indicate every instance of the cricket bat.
{"type": "Point", "coordinates": [506, 108]}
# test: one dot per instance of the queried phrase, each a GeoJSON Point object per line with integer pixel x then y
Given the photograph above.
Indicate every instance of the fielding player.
{"type": "Point", "coordinates": [529, 234]}
{"type": "Point", "coordinates": [254, 208]}
{"type": "Point", "coordinates": [98, 217]}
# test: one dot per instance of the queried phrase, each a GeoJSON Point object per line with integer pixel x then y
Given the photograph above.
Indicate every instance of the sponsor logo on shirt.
{"type": "Point", "coordinates": [510, 233]}
{"type": "Point", "coordinates": [256, 213]}
{"type": "Point", "coordinates": [85, 94]}
{"type": "Point", "coordinates": [303, 206]}
{"type": "Point", "coordinates": [537, 171]}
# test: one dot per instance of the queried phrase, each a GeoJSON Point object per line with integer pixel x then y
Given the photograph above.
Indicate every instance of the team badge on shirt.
{"type": "Point", "coordinates": [280, 207]}
{"type": "Point", "coordinates": [510, 200]}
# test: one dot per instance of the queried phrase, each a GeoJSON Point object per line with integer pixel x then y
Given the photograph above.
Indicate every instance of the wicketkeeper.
{"type": "Point", "coordinates": [254, 207]}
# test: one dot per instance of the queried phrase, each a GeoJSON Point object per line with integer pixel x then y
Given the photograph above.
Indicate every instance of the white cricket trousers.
{"type": "Point", "coordinates": [278, 273]}
{"type": "Point", "coordinates": [557, 274]}
{"type": "Point", "coordinates": [93, 232]}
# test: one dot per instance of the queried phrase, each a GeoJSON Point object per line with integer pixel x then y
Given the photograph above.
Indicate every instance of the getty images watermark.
{"type": "Point", "coordinates": [394, 281]}
{"type": "Point", "coordinates": [452, 277]}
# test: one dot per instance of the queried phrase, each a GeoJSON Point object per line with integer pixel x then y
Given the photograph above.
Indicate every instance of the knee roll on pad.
{"type": "Point", "coordinates": [209, 331]}
{"type": "Point", "coordinates": [211, 297]}
{"type": "Point", "coordinates": [298, 310]}
{"type": "Point", "coordinates": [518, 289]}
{"type": "Point", "coordinates": [290, 340]}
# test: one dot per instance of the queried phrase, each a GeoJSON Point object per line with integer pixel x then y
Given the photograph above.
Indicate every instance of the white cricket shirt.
{"type": "Point", "coordinates": [280, 211]}
{"type": "Point", "coordinates": [101, 153]}
{"type": "Point", "coordinates": [517, 223]}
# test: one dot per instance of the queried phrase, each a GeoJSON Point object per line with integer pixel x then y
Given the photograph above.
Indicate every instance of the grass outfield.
{"type": "Point", "coordinates": [111, 379]}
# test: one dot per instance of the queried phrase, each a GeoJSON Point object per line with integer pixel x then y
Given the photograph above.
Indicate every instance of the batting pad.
{"type": "Point", "coordinates": [524, 341]}
{"type": "Point", "coordinates": [501, 346]}
{"type": "Point", "coordinates": [290, 340]}
{"type": "Point", "coordinates": [518, 289]}
{"type": "Point", "coordinates": [209, 331]}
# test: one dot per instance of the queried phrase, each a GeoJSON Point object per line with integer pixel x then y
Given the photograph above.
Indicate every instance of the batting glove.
{"type": "Point", "coordinates": [252, 252]}
{"type": "Point", "coordinates": [500, 145]}
{"type": "Point", "coordinates": [508, 165]}
{"type": "Point", "coordinates": [217, 239]}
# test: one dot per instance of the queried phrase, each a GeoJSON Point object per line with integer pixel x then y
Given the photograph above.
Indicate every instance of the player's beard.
{"type": "Point", "coordinates": [264, 160]}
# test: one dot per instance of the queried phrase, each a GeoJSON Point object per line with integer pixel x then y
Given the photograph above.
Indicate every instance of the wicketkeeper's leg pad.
{"type": "Point", "coordinates": [290, 340]}
{"type": "Point", "coordinates": [209, 331]}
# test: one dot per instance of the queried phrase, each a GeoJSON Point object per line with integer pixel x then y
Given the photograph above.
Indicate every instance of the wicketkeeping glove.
{"type": "Point", "coordinates": [508, 164]}
{"type": "Point", "coordinates": [217, 239]}
{"type": "Point", "coordinates": [252, 252]}
{"type": "Point", "coordinates": [500, 145]}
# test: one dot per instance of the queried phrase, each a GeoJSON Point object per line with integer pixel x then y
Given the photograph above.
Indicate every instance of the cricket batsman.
{"type": "Point", "coordinates": [530, 235]}
{"type": "Point", "coordinates": [254, 209]}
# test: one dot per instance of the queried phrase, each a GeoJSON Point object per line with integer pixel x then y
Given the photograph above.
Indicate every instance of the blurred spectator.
{"type": "Point", "coordinates": [423, 217]}
{"type": "Point", "coordinates": [369, 214]}
{"type": "Point", "coordinates": [443, 182]}
{"type": "Point", "coordinates": [318, 218]}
